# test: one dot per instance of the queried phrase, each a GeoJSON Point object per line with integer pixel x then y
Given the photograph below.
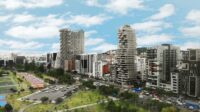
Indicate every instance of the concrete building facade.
{"type": "Point", "coordinates": [141, 67]}
{"type": "Point", "coordinates": [84, 64]}
{"type": "Point", "coordinates": [126, 52]}
{"type": "Point", "coordinates": [71, 44]}
{"type": "Point", "coordinates": [161, 62]}
{"type": "Point", "coordinates": [189, 72]}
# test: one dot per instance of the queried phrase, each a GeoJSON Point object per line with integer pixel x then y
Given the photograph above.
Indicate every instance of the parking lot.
{"type": "Point", "coordinates": [52, 92]}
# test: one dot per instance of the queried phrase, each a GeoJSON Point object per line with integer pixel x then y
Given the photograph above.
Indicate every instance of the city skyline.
{"type": "Point", "coordinates": [31, 28]}
{"type": "Point", "coordinates": [99, 55]}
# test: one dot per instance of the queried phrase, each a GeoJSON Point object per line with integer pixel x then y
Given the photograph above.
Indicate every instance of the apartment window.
{"type": "Point", "coordinates": [192, 86]}
{"type": "Point", "coordinates": [192, 54]}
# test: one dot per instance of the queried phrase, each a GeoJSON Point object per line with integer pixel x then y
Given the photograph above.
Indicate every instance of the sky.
{"type": "Point", "coordinates": [32, 26]}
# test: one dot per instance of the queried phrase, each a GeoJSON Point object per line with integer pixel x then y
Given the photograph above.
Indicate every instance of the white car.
{"type": "Point", "coordinates": [191, 107]}
{"type": "Point", "coordinates": [179, 103]}
{"type": "Point", "coordinates": [141, 96]}
{"type": "Point", "coordinates": [168, 102]}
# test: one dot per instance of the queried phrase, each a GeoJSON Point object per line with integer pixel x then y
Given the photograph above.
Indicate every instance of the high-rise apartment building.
{"type": "Point", "coordinates": [71, 44]}
{"type": "Point", "coordinates": [126, 52]}
{"type": "Point", "coordinates": [171, 57]}
{"type": "Point", "coordinates": [189, 73]}
{"type": "Point", "coordinates": [161, 62]}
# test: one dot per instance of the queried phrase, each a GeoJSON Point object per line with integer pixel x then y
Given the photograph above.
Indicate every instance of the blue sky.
{"type": "Point", "coordinates": [32, 26]}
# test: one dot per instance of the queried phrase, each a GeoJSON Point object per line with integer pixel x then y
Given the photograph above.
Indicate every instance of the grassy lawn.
{"type": "Point", "coordinates": [5, 90]}
{"type": "Point", "coordinates": [4, 79]}
{"type": "Point", "coordinates": [77, 99]}
{"type": "Point", "coordinates": [4, 82]}
{"type": "Point", "coordinates": [131, 106]}
{"type": "Point", "coordinates": [81, 98]}
{"type": "Point", "coordinates": [12, 99]}
{"type": "Point", "coordinates": [40, 108]}
{"type": "Point", "coordinates": [21, 85]}
{"type": "Point", "coordinates": [101, 108]}
{"type": "Point", "coordinates": [96, 108]}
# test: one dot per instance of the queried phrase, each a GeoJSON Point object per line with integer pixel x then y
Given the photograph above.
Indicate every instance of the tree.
{"type": "Point", "coordinates": [26, 66]}
{"type": "Point", "coordinates": [32, 65]}
{"type": "Point", "coordinates": [8, 108]}
{"type": "Point", "coordinates": [14, 73]}
{"type": "Point", "coordinates": [44, 99]}
{"type": "Point", "coordinates": [63, 77]}
{"type": "Point", "coordinates": [126, 95]}
{"type": "Point", "coordinates": [59, 100]}
{"type": "Point", "coordinates": [13, 90]}
{"type": "Point", "coordinates": [108, 90]}
{"type": "Point", "coordinates": [1, 109]}
{"type": "Point", "coordinates": [88, 84]}
{"type": "Point", "coordinates": [111, 106]}
{"type": "Point", "coordinates": [41, 69]}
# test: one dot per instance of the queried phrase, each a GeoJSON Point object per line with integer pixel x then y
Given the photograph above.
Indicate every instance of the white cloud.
{"type": "Point", "coordinates": [89, 33]}
{"type": "Point", "coordinates": [93, 3]}
{"type": "Point", "coordinates": [193, 19]}
{"type": "Point", "coordinates": [194, 16]}
{"type": "Point", "coordinates": [15, 4]}
{"type": "Point", "coordinates": [51, 20]}
{"type": "Point", "coordinates": [150, 26]}
{"type": "Point", "coordinates": [39, 27]}
{"type": "Point", "coordinates": [191, 31]}
{"type": "Point", "coordinates": [117, 6]}
{"type": "Point", "coordinates": [96, 44]}
{"type": "Point", "coordinates": [87, 20]}
{"type": "Point", "coordinates": [31, 32]}
{"type": "Point", "coordinates": [155, 23]}
{"type": "Point", "coordinates": [187, 45]}
{"type": "Point", "coordinates": [165, 11]}
{"type": "Point", "coordinates": [5, 18]}
{"type": "Point", "coordinates": [104, 47]}
{"type": "Point", "coordinates": [6, 53]}
{"type": "Point", "coordinates": [90, 41]}
{"type": "Point", "coordinates": [23, 18]}
{"type": "Point", "coordinates": [48, 26]}
{"type": "Point", "coordinates": [55, 47]}
{"type": "Point", "coordinates": [153, 39]}
{"type": "Point", "coordinates": [123, 6]}
{"type": "Point", "coordinates": [93, 41]}
{"type": "Point", "coordinates": [20, 45]}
